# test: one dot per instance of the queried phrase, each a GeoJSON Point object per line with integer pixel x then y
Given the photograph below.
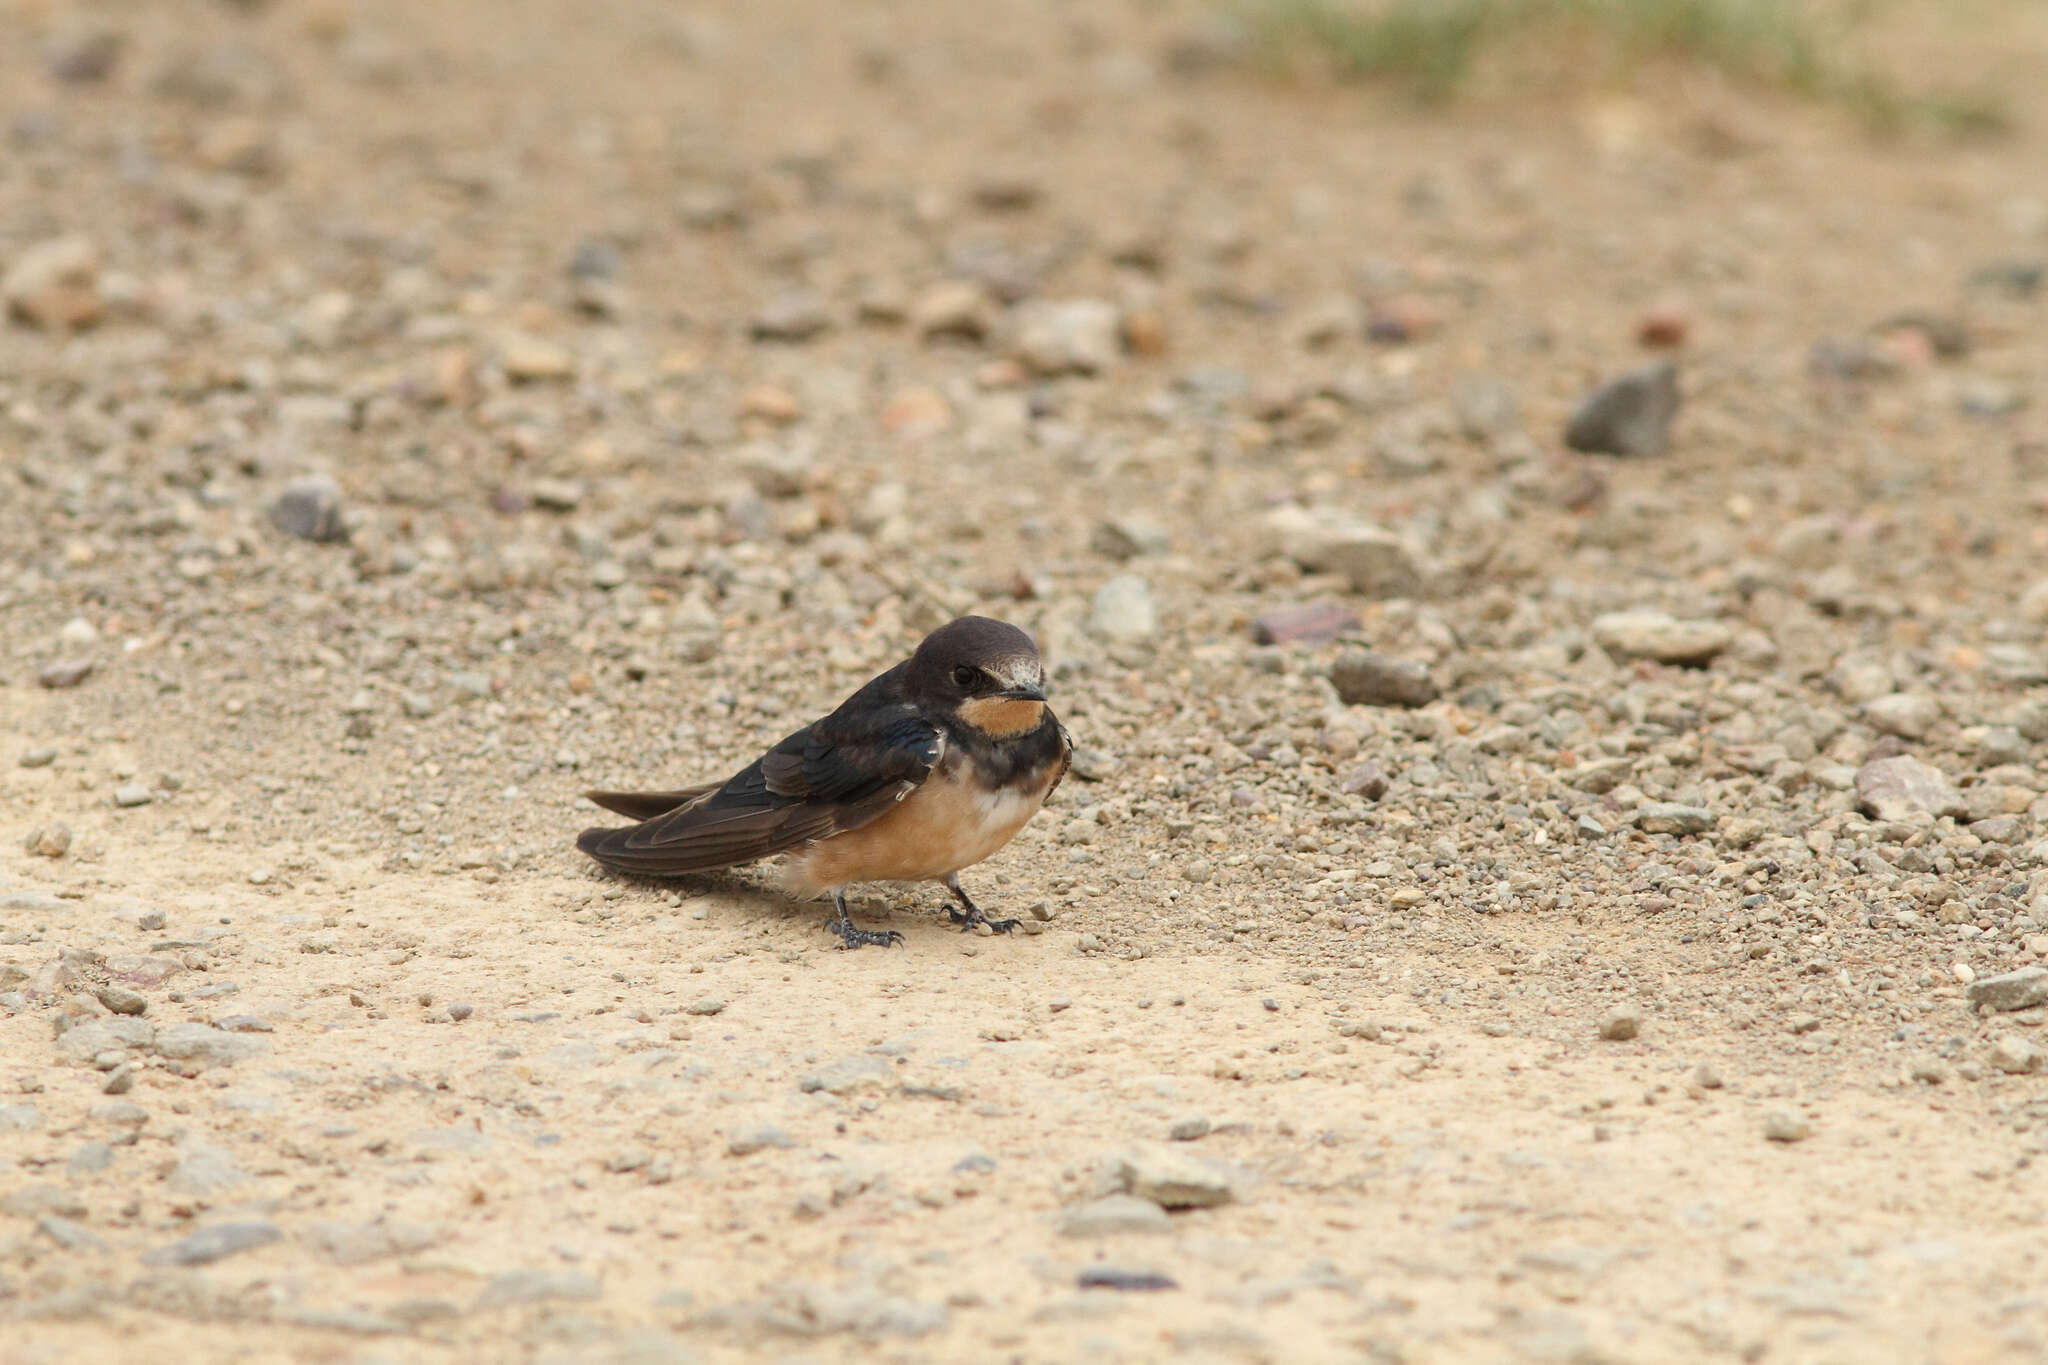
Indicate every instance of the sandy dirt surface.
{"type": "Point", "coordinates": [1598, 947]}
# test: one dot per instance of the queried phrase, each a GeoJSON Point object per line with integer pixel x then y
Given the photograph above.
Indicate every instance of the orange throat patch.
{"type": "Point", "coordinates": [1002, 716]}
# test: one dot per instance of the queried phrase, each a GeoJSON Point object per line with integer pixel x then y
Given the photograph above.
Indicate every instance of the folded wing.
{"type": "Point", "coordinates": [825, 779]}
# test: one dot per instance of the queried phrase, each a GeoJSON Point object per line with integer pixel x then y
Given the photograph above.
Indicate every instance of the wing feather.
{"type": "Point", "coordinates": [825, 779]}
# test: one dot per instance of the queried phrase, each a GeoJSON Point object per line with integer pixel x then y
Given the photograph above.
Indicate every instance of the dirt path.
{"type": "Point", "coordinates": [675, 370]}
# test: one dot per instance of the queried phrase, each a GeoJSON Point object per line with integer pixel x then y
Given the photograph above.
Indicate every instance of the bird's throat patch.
{"type": "Point", "coordinates": [1002, 716]}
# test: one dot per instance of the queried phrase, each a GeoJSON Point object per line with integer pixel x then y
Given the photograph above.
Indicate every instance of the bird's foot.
{"type": "Point", "coordinates": [967, 919]}
{"type": "Point", "coordinates": [852, 937]}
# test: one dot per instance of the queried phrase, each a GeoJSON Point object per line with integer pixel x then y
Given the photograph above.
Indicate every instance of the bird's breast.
{"type": "Point", "coordinates": [954, 820]}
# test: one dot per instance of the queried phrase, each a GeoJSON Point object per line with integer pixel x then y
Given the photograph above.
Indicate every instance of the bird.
{"type": "Point", "coordinates": [929, 768]}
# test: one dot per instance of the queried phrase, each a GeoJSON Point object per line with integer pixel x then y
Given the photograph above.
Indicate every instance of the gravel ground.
{"type": "Point", "coordinates": [1520, 897]}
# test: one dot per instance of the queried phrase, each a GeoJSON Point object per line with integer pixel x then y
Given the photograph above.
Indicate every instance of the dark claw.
{"type": "Point", "coordinates": [851, 937]}
{"type": "Point", "coordinates": [967, 919]}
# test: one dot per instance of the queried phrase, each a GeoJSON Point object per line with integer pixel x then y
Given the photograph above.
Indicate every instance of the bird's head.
{"type": "Point", "coordinates": [984, 673]}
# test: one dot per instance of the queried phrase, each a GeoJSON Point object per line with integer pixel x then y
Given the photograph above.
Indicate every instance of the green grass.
{"type": "Point", "coordinates": [1432, 48]}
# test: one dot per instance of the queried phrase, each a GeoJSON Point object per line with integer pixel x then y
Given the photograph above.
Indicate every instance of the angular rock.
{"type": "Point", "coordinates": [64, 673]}
{"type": "Point", "coordinates": [1901, 787]}
{"type": "Point", "coordinates": [847, 1075]}
{"type": "Point", "coordinates": [1114, 1214]}
{"type": "Point", "coordinates": [2015, 990]}
{"type": "Point", "coordinates": [121, 1000]}
{"type": "Point", "coordinates": [1365, 678]}
{"type": "Point", "coordinates": [1620, 1024]}
{"type": "Point", "coordinates": [55, 284]}
{"type": "Point", "coordinates": [1067, 336]}
{"type": "Point", "coordinates": [1172, 1178]}
{"type": "Point", "coordinates": [1668, 817]}
{"type": "Point", "coordinates": [1908, 715]}
{"type": "Point", "coordinates": [206, 1045]}
{"type": "Point", "coordinates": [1378, 563]}
{"type": "Point", "coordinates": [1658, 635]}
{"type": "Point", "coordinates": [2017, 1056]}
{"type": "Point", "coordinates": [310, 509]}
{"type": "Point", "coordinates": [95, 1036]}
{"type": "Point", "coordinates": [1128, 536]}
{"type": "Point", "coordinates": [1630, 415]}
{"type": "Point", "coordinates": [214, 1243]}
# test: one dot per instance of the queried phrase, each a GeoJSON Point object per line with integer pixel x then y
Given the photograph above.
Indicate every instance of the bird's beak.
{"type": "Point", "coordinates": [1023, 692]}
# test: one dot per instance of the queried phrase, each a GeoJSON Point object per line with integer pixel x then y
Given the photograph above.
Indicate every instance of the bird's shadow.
{"type": "Point", "coordinates": [750, 894]}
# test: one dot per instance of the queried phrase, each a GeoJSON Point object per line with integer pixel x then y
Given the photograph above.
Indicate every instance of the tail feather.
{"type": "Point", "coordinates": [647, 805]}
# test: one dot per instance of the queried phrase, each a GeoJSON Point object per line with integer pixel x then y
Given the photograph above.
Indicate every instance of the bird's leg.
{"type": "Point", "coordinates": [850, 937]}
{"type": "Point", "coordinates": [972, 915]}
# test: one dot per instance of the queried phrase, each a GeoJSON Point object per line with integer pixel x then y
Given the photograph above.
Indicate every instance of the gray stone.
{"type": "Point", "coordinates": [1901, 787]}
{"type": "Point", "coordinates": [848, 1075]}
{"type": "Point", "coordinates": [2018, 1056]}
{"type": "Point", "coordinates": [90, 1159]}
{"type": "Point", "coordinates": [536, 1286]}
{"type": "Point", "coordinates": [706, 1005]}
{"type": "Point", "coordinates": [119, 1113]}
{"type": "Point", "coordinates": [1114, 1214]}
{"type": "Point", "coordinates": [1377, 562]}
{"type": "Point", "coordinates": [1668, 817]}
{"type": "Point", "coordinates": [1365, 678]}
{"type": "Point", "coordinates": [1122, 611]}
{"type": "Point", "coordinates": [207, 1045]}
{"type": "Point", "coordinates": [1905, 714]}
{"type": "Point", "coordinates": [310, 509]}
{"type": "Point", "coordinates": [204, 1171]}
{"type": "Point", "coordinates": [1173, 1178]}
{"type": "Point", "coordinates": [132, 794]}
{"type": "Point", "coordinates": [1067, 336]}
{"type": "Point", "coordinates": [64, 673]}
{"type": "Point", "coordinates": [121, 1000]}
{"type": "Point", "coordinates": [88, 1040]}
{"type": "Point", "coordinates": [1630, 415]}
{"type": "Point", "coordinates": [2014, 990]}
{"type": "Point", "coordinates": [794, 315]}
{"type": "Point", "coordinates": [1782, 1125]}
{"type": "Point", "coordinates": [749, 1140]}
{"type": "Point", "coordinates": [38, 758]}
{"type": "Point", "coordinates": [1128, 536]}
{"type": "Point", "coordinates": [1095, 765]}
{"type": "Point", "coordinates": [1189, 1128]}
{"type": "Point", "coordinates": [214, 1243]}
{"type": "Point", "coordinates": [1658, 635]}
{"type": "Point", "coordinates": [1621, 1023]}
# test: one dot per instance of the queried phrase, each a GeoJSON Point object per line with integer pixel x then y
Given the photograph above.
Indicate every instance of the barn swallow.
{"type": "Point", "coordinates": [929, 768]}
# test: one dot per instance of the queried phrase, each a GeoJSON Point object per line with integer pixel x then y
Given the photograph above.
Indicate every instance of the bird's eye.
{"type": "Point", "coordinates": [965, 675]}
